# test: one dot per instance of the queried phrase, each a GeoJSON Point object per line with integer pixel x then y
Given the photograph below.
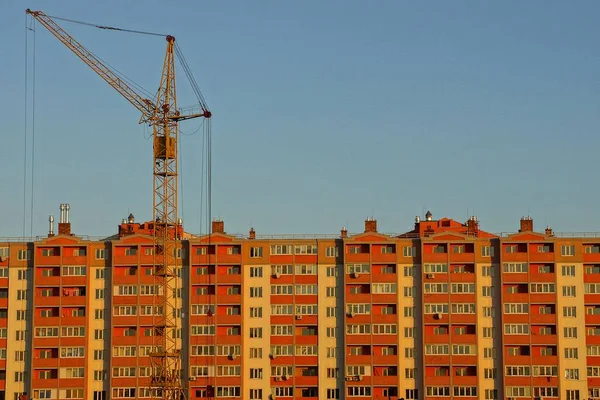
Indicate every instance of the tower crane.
{"type": "Point", "coordinates": [163, 115]}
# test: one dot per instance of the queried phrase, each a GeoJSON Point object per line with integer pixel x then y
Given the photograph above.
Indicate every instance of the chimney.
{"type": "Point", "coordinates": [548, 231]}
{"type": "Point", "coordinates": [252, 234]}
{"type": "Point", "coordinates": [472, 226]}
{"type": "Point", "coordinates": [218, 226]}
{"type": "Point", "coordinates": [64, 226]}
{"type": "Point", "coordinates": [370, 225]}
{"type": "Point", "coordinates": [526, 224]}
{"type": "Point", "coordinates": [51, 226]}
{"type": "Point", "coordinates": [344, 232]}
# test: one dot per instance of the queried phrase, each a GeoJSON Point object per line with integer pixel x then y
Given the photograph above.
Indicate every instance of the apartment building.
{"type": "Point", "coordinates": [444, 311]}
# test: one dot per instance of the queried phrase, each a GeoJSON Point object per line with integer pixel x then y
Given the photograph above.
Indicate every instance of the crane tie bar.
{"type": "Point", "coordinates": [111, 28]}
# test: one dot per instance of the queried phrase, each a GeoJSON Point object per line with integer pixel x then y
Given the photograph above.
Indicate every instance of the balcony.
{"type": "Point", "coordinates": [225, 319]}
{"type": "Point", "coordinates": [535, 257]}
{"type": "Point", "coordinates": [385, 339]}
{"type": "Point", "coordinates": [229, 299]}
{"type": "Point", "coordinates": [229, 339]}
{"type": "Point", "coordinates": [465, 338]}
{"type": "Point", "coordinates": [543, 339]}
{"type": "Point", "coordinates": [358, 258]}
{"type": "Point", "coordinates": [123, 260]}
{"type": "Point", "coordinates": [309, 339]}
{"type": "Point", "coordinates": [353, 279]}
{"type": "Point", "coordinates": [516, 318]}
{"type": "Point", "coordinates": [516, 339]}
{"type": "Point", "coordinates": [358, 339]}
{"type": "Point", "coordinates": [49, 301]}
{"type": "Point", "coordinates": [433, 319]}
{"type": "Point", "coordinates": [384, 258]}
{"type": "Point", "coordinates": [591, 298]}
{"type": "Point", "coordinates": [385, 298]}
{"type": "Point", "coordinates": [517, 360]}
{"type": "Point", "coordinates": [359, 298]}
{"type": "Point", "coordinates": [384, 278]}
{"type": "Point", "coordinates": [48, 260]}
{"type": "Point", "coordinates": [435, 258]}
{"type": "Point", "coordinates": [385, 318]}
{"type": "Point", "coordinates": [75, 280]}
{"type": "Point", "coordinates": [73, 300]}
{"type": "Point", "coordinates": [383, 360]}
{"type": "Point", "coordinates": [464, 380]}
{"type": "Point", "coordinates": [127, 280]}
{"type": "Point", "coordinates": [436, 339]}
{"type": "Point", "coordinates": [53, 281]}
{"type": "Point", "coordinates": [464, 360]}
{"type": "Point", "coordinates": [437, 360]}
{"type": "Point", "coordinates": [229, 258]}
{"type": "Point", "coordinates": [510, 257]}
{"type": "Point", "coordinates": [515, 297]}
{"type": "Point", "coordinates": [462, 257]}
{"type": "Point", "coordinates": [385, 380]}
{"type": "Point", "coordinates": [542, 277]}
{"type": "Point", "coordinates": [363, 359]}
{"type": "Point", "coordinates": [514, 277]}
{"type": "Point", "coordinates": [38, 383]}
{"type": "Point", "coordinates": [229, 279]}
{"type": "Point", "coordinates": [543, 318]}
{"type": "Point", "coordinates": [543, 298]}
{"type": "Point", "coordinates": [464, 318]}
{"type": "Point", "coordinates": [74, 260]}
{"type": "Point", "coordinates": [45, 362]}
{"type": "Point", "coordinates": [306, 380]}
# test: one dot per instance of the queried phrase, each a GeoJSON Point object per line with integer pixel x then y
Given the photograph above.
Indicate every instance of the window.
{"type": "Point", "coordinates": [23, 255]}
{"type": "Point", "coordinates": [332, 272]}
{"type": "Point", "coordinates": [256, 312]}
{"type": "Point", "coordinates": [570, 311]}
{"type": "Point", "coordinates": [570, 332]}
{"type": "Point", "coordinates": [567, 250]}
{"type": "Point", "coordinates": [282, 249]}
{"type": "Point", "coordinates": [256, 292]}
{"type": "Point", "coordinates": [487, 291]}
{"type": "Point", "coordinates": [256, 272]}
{"type": "Point", "coordinates": [488, 332]}
{"type": "Point", "coordinates": [409, 291]}
{"type": "Point", "coordinates": [332, 252]}
{"type": "Point", "coordinates": [572, 374]}
{"type": "Point", "coordinates": [487, 270]}
{"type": "Point", "coordinates": [256, 252]}
{"type": "Point", "coordinates": [435, 268]}
{"type": "Point", "coordinates": [489, 353]}
{"type": "Point", "coordinates": [568, 270]}
{"type": "Point", "coordinates": [256, 333]}
{"type": "Point", "coordinates": [572, 394]}
{"type": "Point", "coordinates": [256, 352]}
{"type": "Point", "coordinates": [571, 353]}
{"type": "Point", "coordinates": [487, 251]}
{"type": "Point", "coordinates": [542, 287]}
{"type": "Point", "coordinates": [569, 291]}
{"type": "Point", "coordinates": [515, 268]}
{"type": "Point", "coordinates": [331, 291]}
{"type": "Point", "coordinates": [255, 394]}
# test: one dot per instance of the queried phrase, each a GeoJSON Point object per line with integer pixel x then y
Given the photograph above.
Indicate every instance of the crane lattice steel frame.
{"type": "Point", "coordinates": [164, 116]}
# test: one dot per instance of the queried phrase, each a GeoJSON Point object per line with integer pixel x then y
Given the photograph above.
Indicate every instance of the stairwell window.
{"type": "Point", "coordinates": [567, 250]}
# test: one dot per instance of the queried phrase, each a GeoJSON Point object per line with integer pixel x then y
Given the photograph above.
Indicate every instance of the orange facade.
{"type": "Point", "coordinates": [443, 311]}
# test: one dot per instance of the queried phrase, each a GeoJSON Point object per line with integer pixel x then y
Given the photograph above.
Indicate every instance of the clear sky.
{"type": "Point", "coordinates": [325, 113]}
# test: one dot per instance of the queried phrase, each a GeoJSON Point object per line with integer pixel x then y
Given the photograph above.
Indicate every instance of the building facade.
{"type": "Point", "coordinates": [445, 311]}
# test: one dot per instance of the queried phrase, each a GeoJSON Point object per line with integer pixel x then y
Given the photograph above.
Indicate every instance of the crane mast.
{"type": "Point", "coordinates": [163, 115]}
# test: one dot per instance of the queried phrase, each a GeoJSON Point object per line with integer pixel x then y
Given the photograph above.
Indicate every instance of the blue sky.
{"type": "Point", "coordinates": [325, 113]}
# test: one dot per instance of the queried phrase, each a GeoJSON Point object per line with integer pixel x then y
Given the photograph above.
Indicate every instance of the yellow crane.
{"type": "Point", "coordinates": [163, 115]}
